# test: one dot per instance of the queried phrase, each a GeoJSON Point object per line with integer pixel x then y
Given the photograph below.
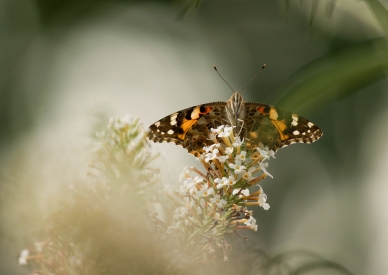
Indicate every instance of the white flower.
{"type": "Point", "coordinates": [211, 156]}
{"type": "Point", "coordinates": [229, 150]}
{"type": "Point", "coordinates": [222, 159]}
{"type": "Point", "coordinates": [227, 131]}
{"type": "Point", "coordinates": [247, 176]}
{"type": "Point", "coordinates": [262, 166]}
{"type": "Point", "coordinates": [198, 179]}
{"type": "Point", "coordinates": [238, 142]}
{"type": "Point", "coordinates": [241, 156]}
{"type": "Point", "coordinates": [185, 173]}
{"type": "Point", "coordinates": [218, 201]}
{"type": "Point", "coordinates": [209, 148]}
{"type": "Point", "coordinates": [218, 130]}
{"type": "Point", "coordinates": [265, 152]}
{"type": "Point", "coordinates": [251, 223]}
{"type": "Point", "coordinates": [187, 187]}
{"type": "Point", "coordinates": [230, 181]}
{"type": "Point", "coordinates": [207, 191]}
{"type": "Point", "coordinates": [262, 201]}
{"type": "Point", "coordinates": [127, 120]}
{"type": "Point", "coordinates": [238, 168]}
{"type": "Point", "coordinates": [225, 182]}
{"type": "Point", "coordinates": [221, 182]}
{"type": "Point", "coordinates": [244, 192]}
{"type": "Point", "coordinates": [23, 257]}
{"type": "Point", "coordinates": [204, 192]}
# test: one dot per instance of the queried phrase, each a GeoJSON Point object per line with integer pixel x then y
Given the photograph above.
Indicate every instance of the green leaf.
{"type": "Point", "coordinates": [335, 75]}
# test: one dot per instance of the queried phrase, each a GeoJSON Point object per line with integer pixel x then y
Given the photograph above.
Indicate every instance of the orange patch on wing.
{"type": "Point", "coordinates": [261, 110]}
{"type": "Point", "coordinates": [207, 110]}
{"type": "Point", "coordinates": [196, 113]}
{"type": "Point", "coordinates": [186, 126]}
{"type": "Point", "coordinates": [281, 126]}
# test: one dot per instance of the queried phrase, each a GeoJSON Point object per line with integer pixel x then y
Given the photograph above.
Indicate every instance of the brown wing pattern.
{"type": "Point", "coordinates": [277, 128]}
{"type": "Point", "coordinates": [261, 123]}
{"type": "Point", "coordinates": [190, 127]}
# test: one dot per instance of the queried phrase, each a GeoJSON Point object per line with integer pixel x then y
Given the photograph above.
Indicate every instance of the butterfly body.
{"type": "Point", "coordinates": [254, 122]}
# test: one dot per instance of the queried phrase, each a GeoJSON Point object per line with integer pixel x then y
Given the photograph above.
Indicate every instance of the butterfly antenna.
{"type": "Point", "coordinates": [253, 77]}
{"type": "Point", "coordinates": [215, 68]}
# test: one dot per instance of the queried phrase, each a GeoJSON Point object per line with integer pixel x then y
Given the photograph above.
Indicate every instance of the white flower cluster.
{"type": "Point", "coordinates": [216, 202]}
{"type": "Point", "coordinates": [121, 146]}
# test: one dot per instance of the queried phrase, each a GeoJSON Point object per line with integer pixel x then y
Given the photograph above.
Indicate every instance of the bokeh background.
{"type": "Point", "coordinates": [65, 63]}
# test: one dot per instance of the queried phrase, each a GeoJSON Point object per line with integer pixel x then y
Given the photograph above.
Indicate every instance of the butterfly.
{"type": "Point", "coordinates": [255, 123]}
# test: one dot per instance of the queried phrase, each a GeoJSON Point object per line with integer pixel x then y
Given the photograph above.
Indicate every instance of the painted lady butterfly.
{"type": "Point", "coordinates": [255, 122]}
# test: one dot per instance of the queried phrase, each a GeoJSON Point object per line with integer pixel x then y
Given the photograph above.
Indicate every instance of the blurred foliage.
{"type": "Point", "coordinates": [52, 10]}
{"type": "Point", "coordinates": [347, 68]}
{"type": "Point", "coordinates": [338, 74]}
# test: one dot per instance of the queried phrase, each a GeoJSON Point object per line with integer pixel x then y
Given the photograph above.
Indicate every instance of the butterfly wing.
{"type": "Point", "coordinates": [189, 127]}
{"type": "Point", "coordinates": [276, 128]}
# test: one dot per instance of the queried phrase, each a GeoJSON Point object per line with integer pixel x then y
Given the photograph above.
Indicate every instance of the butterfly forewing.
{"type": "Point", "coordinates": [262, 124]}
{"type": "Point", "coordinates": [276, 128]}
{"type": "Point", "coordinates": [190, 127]}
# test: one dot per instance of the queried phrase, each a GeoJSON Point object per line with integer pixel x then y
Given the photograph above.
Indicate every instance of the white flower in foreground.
{"type": "Point", "coordinates": [204, 192]}
{"type": "Point", "coordinates": [218, 130]}
{"type": "Point", "coordinates": [225, 182]}
{"type": "Point", "coordinates": [218, 201]}
{"type": "Point", "coordinates": [185, 174]}
{"type": "Point", "coordinates": [262, 201]}
{"type": "Point", "coordinates": [231, 180]}
{"type": "Point", "coordinates": [229, 150]}
{"type": "Point", "coordinates": [244, 192]}
{"type": "Point", "coordinates": [262, 166]}
{"type": "Point", "coordinates": [238, 168]}
{"type": "Point", "coordinates": [247, 176]}
{"type": "Point", "coordinates": [241, 156]}
{"type": "Point", "coordinates": [222, 159]}
{"type": "Point", "coordinates": [238, 142]}
{"type": "Point", "coordinates": [198, 179]}
{"type": "Point", "coordinates": [23, 257]}
{"type": "Point", "coordinates": [211, 156]}
{"type": "Point", "coordinates": [265, 152]}
{"type": "Point", "coordinates": [221, 182]}
{"type": "Point", "coordinates": [227, 132]}
{"type": "Point", "coordinates": [209, 148]}
{"type": "Point", "coordinates": [187, 187]}
{"type": "Point", "coordinates": [251, 223]}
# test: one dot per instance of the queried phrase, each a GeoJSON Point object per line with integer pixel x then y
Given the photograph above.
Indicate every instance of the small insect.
{"type": "Point", "coordinates": [254, 122]}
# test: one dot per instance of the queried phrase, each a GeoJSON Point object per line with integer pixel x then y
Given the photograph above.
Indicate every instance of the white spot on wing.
{"type": "Point", "coordinates": [310, 124]}
{"type": "Point", "coordinates": [157, 124]}
{"type": "Point", "coordinates": [170, 132]}
{"type": "Point", "coordinates": [296, 132]}
{"type": "Point", "coordinates": [173, 119]}
{"type": "Point", "coordinates": [294, 123]}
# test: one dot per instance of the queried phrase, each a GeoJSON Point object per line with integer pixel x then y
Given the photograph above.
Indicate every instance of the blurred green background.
{"type": "Point", "coordinates": [63, 62]}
